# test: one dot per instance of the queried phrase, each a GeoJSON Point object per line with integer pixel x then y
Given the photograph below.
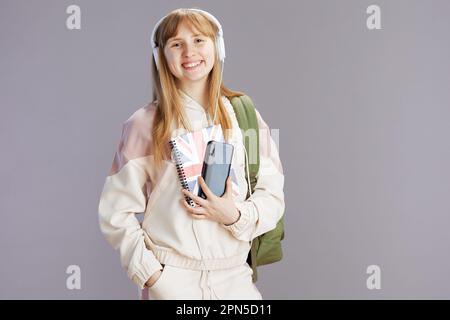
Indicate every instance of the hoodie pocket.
{"type": "Point", "coordinates": [160, 281]}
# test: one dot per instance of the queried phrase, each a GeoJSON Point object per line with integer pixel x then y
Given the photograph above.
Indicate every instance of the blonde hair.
{"type": "Point", "coordinates": [169, 106]}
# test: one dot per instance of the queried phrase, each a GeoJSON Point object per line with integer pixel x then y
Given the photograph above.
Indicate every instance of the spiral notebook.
{"type": "Point", "coordinates": [188, 151]}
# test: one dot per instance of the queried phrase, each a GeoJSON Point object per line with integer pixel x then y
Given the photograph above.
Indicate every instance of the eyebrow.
{"type": "Point", "coordinates": [173, 39]}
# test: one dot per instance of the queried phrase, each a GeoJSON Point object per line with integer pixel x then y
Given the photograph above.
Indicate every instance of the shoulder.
{"type": "Point", "coordinates": [228, 104]}
{"type": "Point", "coordinates": [261, 123]}
{"type": "Point", "coordinates": [142, 118]}
{"type": "Point", "coordinates": [136, 139]}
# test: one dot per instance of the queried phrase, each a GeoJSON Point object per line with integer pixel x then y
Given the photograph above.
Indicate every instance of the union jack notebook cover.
{"type": "Point", "coordinates": [188, 151]}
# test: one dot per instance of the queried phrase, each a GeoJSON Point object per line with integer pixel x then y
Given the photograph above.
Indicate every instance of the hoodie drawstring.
{"type": "Point", "coordinates": [205, 284]}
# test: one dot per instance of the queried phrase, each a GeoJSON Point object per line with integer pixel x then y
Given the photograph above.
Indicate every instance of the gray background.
{"type": "Point", "coordinates": [364, 139]}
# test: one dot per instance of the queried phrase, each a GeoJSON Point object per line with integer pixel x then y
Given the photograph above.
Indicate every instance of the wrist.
{"type": "Point", "coordinates": [153, 278]}
{"type": "Point", "coordinates": [237, 219]}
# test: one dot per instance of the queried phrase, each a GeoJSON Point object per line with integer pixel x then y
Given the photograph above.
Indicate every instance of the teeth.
{"type": "Point", "coordinates": [190, 65]}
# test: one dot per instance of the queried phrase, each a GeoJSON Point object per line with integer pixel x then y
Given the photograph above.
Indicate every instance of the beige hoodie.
{"type": "Point", "coordinates": [168, 234]}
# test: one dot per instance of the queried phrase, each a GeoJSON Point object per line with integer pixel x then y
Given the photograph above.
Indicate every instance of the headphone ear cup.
{"type": "Point", "coordinates": [221, 48]}
{"type": "Point", "coordinates": [155, 56]}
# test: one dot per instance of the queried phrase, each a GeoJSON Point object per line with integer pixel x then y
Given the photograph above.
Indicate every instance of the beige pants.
{"type": "Point", "coordinates": [185, 284]}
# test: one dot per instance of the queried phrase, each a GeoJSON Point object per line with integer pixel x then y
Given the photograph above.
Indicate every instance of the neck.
{"type": "Point", "coordinates": [197, 91]}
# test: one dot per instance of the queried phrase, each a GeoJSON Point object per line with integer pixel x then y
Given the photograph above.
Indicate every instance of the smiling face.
{"type": "Point", "coordinates": [190, 55]}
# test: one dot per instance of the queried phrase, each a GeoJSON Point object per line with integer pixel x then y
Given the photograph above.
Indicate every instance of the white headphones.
{"type": "Point", "coordinates": [220, 44]}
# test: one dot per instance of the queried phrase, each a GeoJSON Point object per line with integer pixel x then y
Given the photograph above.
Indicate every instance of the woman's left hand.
{"type": "Point", "coordinates": [219, 209]}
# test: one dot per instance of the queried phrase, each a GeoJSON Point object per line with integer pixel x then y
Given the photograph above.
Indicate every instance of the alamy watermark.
{"type": "Point", "coordinates": [73, 281]}
{"type": "Point", "coordinates": [374, 20]}
{"type": "Point", "coordinates": [374, 280]}
{"type": "Point", "coordinates": [73, 21]}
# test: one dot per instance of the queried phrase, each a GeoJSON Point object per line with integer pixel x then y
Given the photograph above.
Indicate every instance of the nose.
{"type": "Point", "coordinates": [189, 50]}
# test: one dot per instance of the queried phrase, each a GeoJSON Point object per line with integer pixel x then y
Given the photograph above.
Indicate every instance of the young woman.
{"type": "Point", "coordinates": [179, 251]}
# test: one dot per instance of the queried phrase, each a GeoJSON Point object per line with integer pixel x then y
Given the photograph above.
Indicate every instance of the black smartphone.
{"type": "Point", "coordinates": [216, 167]}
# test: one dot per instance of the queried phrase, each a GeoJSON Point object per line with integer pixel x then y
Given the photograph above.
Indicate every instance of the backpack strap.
{"type": "Point", "coordinates": [246, 116]}
{"type": "Point", "coordinates": [248, 122]}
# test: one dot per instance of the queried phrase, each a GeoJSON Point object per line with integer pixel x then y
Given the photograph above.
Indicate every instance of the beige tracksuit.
{"type": "Point", "coordinates": [202, 259]}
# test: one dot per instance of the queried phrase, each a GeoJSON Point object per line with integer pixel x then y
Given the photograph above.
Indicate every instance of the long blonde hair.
{"type": "Point", "coordinates": [169, 106]}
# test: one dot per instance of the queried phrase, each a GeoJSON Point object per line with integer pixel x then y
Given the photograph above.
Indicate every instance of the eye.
{"type": "Point", "coordinates": [175, 44]}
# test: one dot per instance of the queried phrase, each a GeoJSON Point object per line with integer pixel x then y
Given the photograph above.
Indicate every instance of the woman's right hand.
{"type": "Point", "coordinates": [151, 281]}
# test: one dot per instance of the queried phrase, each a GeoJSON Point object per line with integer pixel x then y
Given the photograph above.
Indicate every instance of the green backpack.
{"type": "Point", "coordinates": [265, 248]}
